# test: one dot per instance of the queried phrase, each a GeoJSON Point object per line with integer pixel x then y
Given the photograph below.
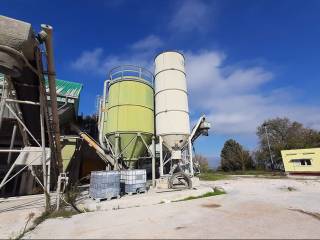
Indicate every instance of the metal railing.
{"type": "Point", "coordinates": [131, 72]}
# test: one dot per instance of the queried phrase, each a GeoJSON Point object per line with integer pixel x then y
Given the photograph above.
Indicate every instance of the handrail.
{"type": "Point", "coordinates": [131, 71]}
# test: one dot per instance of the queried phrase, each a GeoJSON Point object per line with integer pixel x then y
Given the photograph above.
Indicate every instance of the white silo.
{"type": "Point", "coordinates": [171, 99]}
{"type": "Point", "coordinates": [171, 104]}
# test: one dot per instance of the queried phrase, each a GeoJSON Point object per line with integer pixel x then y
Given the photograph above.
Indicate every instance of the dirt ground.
{"type": "Point", "coordinates": [252, 208]}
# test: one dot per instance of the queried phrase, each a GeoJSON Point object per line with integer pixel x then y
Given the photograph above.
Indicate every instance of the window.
{"type": "Point", "coordinates": [301, 162]}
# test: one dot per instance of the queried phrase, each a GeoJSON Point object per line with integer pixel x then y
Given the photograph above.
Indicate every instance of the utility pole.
{"type": "Point", "coordinates": [271, 159]}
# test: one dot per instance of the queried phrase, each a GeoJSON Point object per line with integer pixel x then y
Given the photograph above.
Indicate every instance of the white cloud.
{"type": "Point", "coordinates": [88, 60]}
{"type": "Point", "coordinates": [151, 42]}
{"type": "Point", "coordinates": [234, 98]}
{"type": "Point", "coordinates": [192, 15]}
{"type": "Point", "coordinates": [140, 53]}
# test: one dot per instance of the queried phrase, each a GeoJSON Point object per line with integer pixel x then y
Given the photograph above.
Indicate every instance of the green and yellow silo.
{"type": "Point", "coordinates": [129, 113]}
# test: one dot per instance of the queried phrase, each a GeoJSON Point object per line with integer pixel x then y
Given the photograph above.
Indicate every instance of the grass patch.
{"type": "Point", "coordinates": [54, 214]}
{"type": "Point", "coordinates": [256, 173]}
{"type": "Point", "coordinates": [44, 216]}
{"type": "Point", "coordinates": [221, 175]}
{"type": "Point", "coordinates": [213, 176]}
{"type": "Point", "coordinates": [207, 194]}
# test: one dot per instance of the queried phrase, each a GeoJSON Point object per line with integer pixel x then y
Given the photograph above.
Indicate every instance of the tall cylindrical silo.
{"type": "Point", "coordinates": [171, 100]}
{"type": "Point", "coordinates": [129, 112]}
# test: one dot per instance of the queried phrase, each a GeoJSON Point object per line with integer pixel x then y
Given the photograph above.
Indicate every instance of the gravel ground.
{"type": "Point", "coordinates": [252, 208]}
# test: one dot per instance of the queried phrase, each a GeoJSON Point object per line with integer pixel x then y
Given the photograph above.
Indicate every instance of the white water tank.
{"type": "Point", "coordinates": [171, 99]}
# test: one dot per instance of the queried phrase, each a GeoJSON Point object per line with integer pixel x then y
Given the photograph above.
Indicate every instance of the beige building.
{"type": "Point", "coordinates": [302, 161]}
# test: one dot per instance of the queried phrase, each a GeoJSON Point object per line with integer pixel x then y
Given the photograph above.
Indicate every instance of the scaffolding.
{"type": "Point", "coordinates": [35, 150]}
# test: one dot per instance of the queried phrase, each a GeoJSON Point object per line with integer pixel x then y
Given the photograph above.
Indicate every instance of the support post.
{"type": "Point", "coordinates": [48, 177]}
{"type": "Point", "coordinates": [3, 100]}
{"type": "Point", "coordinates": [190, 157]}
{"type": "Point", "coordinates": [116, 151]}
{"type": "Point", "coordinates": [161, 156]}
{"type": "Point", "coordinates": [58, 192]}
{"type": "Point", "coordinates": [43, 147]}
{"type": "Point", "coordinates": [153, 162]}
{"type": "Point", "coordinates": [46, 35]}
{"type": "Point", "coordinates": [14, 131]}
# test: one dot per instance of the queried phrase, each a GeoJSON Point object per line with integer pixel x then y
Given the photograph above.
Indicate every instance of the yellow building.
{"type": "Point", "coordinates": [302, 161]}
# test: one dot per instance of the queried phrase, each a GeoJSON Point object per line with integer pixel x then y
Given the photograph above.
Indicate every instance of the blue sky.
{"type": "Point", "coordinates": [246, 61]}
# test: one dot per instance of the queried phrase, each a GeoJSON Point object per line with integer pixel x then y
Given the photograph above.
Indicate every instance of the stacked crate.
{"type": "Point", "coordinates": [104, 184]}
{"type": "Point", "coordinates": [133, 181]}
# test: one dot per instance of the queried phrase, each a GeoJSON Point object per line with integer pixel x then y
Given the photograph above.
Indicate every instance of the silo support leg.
{"type": "Point", "coordinates": [161, 157]}
{"type": "Point", "coordinates": [116, 152]}
{"type": "Point", "coordinates": [191, 157]}
{"type": "Point", "coordinates": [153, 162]}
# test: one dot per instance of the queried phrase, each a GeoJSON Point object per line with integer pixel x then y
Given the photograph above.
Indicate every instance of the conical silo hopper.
{"type": "Point", "coordinates": [129, 113]}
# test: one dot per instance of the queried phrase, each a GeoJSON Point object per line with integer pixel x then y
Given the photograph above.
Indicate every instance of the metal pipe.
{"type": "Point", "coordinates": [43, 147]}
{"type": "Point", "coordinates": [190, 157]}
{"type": "Point", "coordinates": [153, 162]}
{"type": "Point", "coordinates": [89, 140]}
{"type": "Point", "coordinates": [18, 150]}
{"type": "Point", "coordinates": [2, 101]}
{"type": "Point", "coordinates": [22, 102]}
{"type": "Point", "coordinates": [116, 151]}
{"type": "Point", "coordinates": [161, 156]}
{"type": "Point", "coordinates": [24, 126]}
{"type": "Point", "coordinates": [101, 123]}
{"type": "Point", "coordinates": [14, 131]}
{"type": "Point", "coordinates": [19, 54]}
{"type": "Point", "coordinates": [46, 35]}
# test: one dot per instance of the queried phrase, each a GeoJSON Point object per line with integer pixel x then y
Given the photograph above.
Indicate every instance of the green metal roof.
{"type": "Point", "coordinates": [66, 88]}
{"type": "Point", "coordinates": [63, 88]}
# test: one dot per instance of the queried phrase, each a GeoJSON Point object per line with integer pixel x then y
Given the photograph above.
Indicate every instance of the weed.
{"type": "Point", "coordinates": [207, 194]}
{"type": "Point", "coordinates": [290, 189]}
{"type": "Point", "coordinates": [54, 214]}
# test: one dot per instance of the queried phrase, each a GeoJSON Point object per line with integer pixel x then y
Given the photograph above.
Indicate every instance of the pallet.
{"type": "Point", "coordinates": [97, 200]}
{"type": "Point", "coordinates": [137, 192]}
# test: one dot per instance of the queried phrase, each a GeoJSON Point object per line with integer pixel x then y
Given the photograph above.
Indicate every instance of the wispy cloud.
{"type": "Point", "coordinates": [90, 59]}
{"type": "Point", "coordinates": [151, 42]}
{"type": "Point", "coordinates": [139, 53]}
{"type": "Point", "coordinates": [192, 15]}
{"type": "Point", "coordinates": [235, 99]}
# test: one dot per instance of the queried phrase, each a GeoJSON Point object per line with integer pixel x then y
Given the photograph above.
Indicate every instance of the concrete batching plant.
{"type": "Point", "coordinates": [139, 109]}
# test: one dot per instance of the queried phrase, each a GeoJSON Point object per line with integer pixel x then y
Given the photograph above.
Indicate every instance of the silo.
{"type": "Point", "coordinates": [171, 100]}
{"type": "Point", "coordinates": [128, 124]}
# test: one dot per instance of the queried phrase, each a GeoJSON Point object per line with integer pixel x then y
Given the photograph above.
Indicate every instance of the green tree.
{"type": "Point", "coordinates": [201, 162]}
{"type": "Point", "coordinates": [235, 157]}
{"type": "Point", "coordinates": [283, 134]}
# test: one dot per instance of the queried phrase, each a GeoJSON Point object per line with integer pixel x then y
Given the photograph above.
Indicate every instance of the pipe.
{"type": "Point", "coordinates": [102, 111]}
{"type": "Point", "coordinates": [153, 162]}
{"type": "Point", "coordinates": [91, 142]}
{"type": "Point", "coordinates": [46, 36]}
{"type": "Point", "coordinates": [14, 131]}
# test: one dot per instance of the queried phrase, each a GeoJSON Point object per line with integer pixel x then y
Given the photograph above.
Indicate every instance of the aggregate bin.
{"type": "Point", "coordinates": [104, 184]}
{"type": "Point", "coordinates": [133, 181]}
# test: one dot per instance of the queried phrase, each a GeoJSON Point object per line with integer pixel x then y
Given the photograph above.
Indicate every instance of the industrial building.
{"type": "Point", "coordinates": [142, 123]}
{"type": "Point", "coordinates": [302, 161]}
